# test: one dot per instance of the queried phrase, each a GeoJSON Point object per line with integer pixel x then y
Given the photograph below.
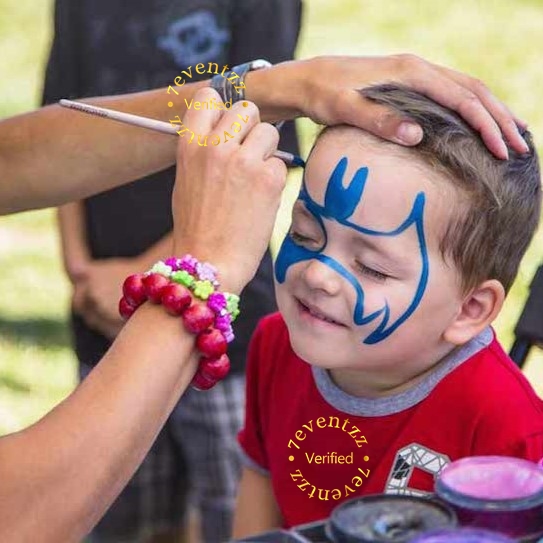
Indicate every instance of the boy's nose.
{"type": "Point", "coordinates": [319, 276]}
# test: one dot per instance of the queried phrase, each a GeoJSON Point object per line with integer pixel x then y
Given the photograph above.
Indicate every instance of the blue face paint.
{"type": "Point", "coordinates": [339, 204]}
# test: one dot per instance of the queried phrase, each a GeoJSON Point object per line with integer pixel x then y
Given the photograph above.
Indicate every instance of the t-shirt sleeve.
{"type": "Point", "coordinates": [251, 436]}
{"type": "Point", "coordinates": [61, 74]}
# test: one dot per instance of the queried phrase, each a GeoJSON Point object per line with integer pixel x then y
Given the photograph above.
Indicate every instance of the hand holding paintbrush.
{"type": "Point", "coordinates": [153, 124]}
{"type": "Point", "coordinates": [227, 217]}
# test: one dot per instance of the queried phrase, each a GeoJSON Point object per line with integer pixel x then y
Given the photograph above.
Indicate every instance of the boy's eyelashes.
{"type": "Point", "coordinates": [375, 274]}
{"type": "Point", "coordinates": [311, 242]}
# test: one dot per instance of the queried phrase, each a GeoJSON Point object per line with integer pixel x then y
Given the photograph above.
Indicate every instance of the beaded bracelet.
{"type": "Point", "coordinates": [173, 283]}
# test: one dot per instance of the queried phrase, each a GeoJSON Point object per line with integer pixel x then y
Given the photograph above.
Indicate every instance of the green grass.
{"type": "Point", "coordinates": [497, 41]}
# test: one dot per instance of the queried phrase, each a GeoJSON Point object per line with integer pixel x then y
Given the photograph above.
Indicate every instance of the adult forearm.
{"type": "Point", "coordinates": [60, 475]}
{"type": "Point", "coordinates": [54, 155]}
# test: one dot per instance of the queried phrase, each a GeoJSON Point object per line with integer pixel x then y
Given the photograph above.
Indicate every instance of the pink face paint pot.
{"type": "Point", "coordinates": [463, 535]}
{"type": "Point", "coordinates": [495, 492]}
{"type": "Point", "coordinates": [383, 518]}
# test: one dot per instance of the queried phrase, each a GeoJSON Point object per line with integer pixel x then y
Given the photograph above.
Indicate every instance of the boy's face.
{"type": "Point", "coordinates": [361, 282]}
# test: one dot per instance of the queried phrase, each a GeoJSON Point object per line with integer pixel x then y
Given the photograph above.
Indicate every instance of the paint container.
{"type": "Point", "coordinates": [495, 492]}
{"type": "Point", "coordinates": [385, 518]}
{"type": "Point", "coordinates": [463, 535]}
{"type": "Point", "coordinates": [276, 536]}
{"type": "Point", "coordinates": [315, 532]}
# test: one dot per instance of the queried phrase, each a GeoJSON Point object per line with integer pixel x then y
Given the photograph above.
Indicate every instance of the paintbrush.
{"type": "Point", "coordinates": [159, 126]}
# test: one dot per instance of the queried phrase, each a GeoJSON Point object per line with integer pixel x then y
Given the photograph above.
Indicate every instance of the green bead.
{"type": "Point", "coordinates": [162, 269]}
{"type": "Point", "coordinates": [232, 303]}
{"type": "Point", "coordinates": [183, 277]}
{"type": "Point", "coordinates": [203, 289]}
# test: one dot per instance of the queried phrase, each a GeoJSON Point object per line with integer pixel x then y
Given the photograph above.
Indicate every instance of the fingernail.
{"type": "Point", "coordinates": [409, 133]}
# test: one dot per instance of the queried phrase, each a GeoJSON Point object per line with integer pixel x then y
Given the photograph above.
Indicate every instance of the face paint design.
{"type": "Point", "coordinates": [339, 204]}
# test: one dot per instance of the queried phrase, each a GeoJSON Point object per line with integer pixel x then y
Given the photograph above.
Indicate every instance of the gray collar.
{"type": "Point", "coordinates": [379, 407]}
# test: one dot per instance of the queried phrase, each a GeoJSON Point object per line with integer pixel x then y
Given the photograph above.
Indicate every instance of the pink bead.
{"type": "Point", "coordinates": [202, 382]}
{"type": "Point", "coordinates": [211, 343]}
{"type": "Point", "coordinates": [197, 318]}
{"type": "Point", "coordinates": [126, 310]}
{"type": "Point", "coordinates": [134, 289]}
{"type": "Point", "coordinates": [176, 298]}
{"type": "Point", "coordinates": [215, 368]}
{"type": "Point", "coordinates": [154, 284]}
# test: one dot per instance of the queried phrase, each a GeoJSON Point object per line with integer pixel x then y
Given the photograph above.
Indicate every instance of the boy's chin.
{"type": "Point", "coordinates": [315, 356]}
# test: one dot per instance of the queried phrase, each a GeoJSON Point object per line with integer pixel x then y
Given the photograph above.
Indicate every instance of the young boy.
{"type": "Point", "coordinates": [382, 366]}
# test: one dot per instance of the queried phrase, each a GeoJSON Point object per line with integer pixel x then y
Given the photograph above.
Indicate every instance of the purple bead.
{"type": "Point", "coordinates": [206, 272]}
{"type": "Point", "coordinates": [229, 335]}
{"type": "Point", "coordinates": [188, 263]}
{"type": "Point", "coordinates": [173, 263]}
{"type": "Point", "coordinates": [216, 301]}
{"type": "Point", "coordinates": [223, 323]}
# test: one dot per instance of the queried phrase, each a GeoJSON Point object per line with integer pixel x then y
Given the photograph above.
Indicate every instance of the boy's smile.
{"type": "Point", "coordinates": [361, 280]}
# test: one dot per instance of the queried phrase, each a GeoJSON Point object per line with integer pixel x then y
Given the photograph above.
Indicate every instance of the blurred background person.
{"type": "Point", "coordinates": [106, 47]}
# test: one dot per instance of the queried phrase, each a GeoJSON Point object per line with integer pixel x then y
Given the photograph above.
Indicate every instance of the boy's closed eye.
{"type": "Point", "coordinates": [371, 272]}
{"type": "Point", "coordinates": [306, 240]}
{"type": "Point", "coordinates": [305, 230]}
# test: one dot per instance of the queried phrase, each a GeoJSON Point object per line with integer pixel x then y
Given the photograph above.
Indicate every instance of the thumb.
{"type": "Point", "coordinates": [379, 120]}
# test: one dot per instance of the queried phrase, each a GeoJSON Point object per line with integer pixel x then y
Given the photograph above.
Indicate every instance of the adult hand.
{"type": "Point", "coordinates": [227, 194]}
{"type": "Point", "coordinates": [325, 89]}
{"type": "Point", "coordinates": [96, 297]}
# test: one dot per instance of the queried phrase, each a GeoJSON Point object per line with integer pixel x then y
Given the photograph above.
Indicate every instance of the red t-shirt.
{"type": "Point", "coordinates": [321, 446]}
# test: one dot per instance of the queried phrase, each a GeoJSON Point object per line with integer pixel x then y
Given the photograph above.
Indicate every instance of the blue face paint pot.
{"type": "Point", "coordinates": [495, 492]}
{"type": "Point", "coordinates": [383, 518]}
{"type": "Point", "coordinates": [463, 535]}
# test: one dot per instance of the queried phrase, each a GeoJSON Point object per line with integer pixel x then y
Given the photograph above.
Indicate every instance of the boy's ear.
{"type": "Point", "coordinates": [479, 308]}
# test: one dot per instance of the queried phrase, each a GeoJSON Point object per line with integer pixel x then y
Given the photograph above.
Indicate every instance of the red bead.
{"type": "Point", "coordinates": [176, 298]}
{"type": "Point", "coordinates": [197, 318]}
{"type": "Point", "coordinates": [202, 382]}
{"type": "Point", "coordinates": [134, 290]}
{"type": "Point", "coordinates": [211, 343]}
{"type": "Point", "coordinates": [154, 284]}
{"type": "Point", "coordinates": [126, 309]}
{"type": "Point", "coordinates": [215, 368]}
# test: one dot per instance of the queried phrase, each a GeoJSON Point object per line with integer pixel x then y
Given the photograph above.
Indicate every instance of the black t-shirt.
{"type": "Point", "coordinates": [105, 47]}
